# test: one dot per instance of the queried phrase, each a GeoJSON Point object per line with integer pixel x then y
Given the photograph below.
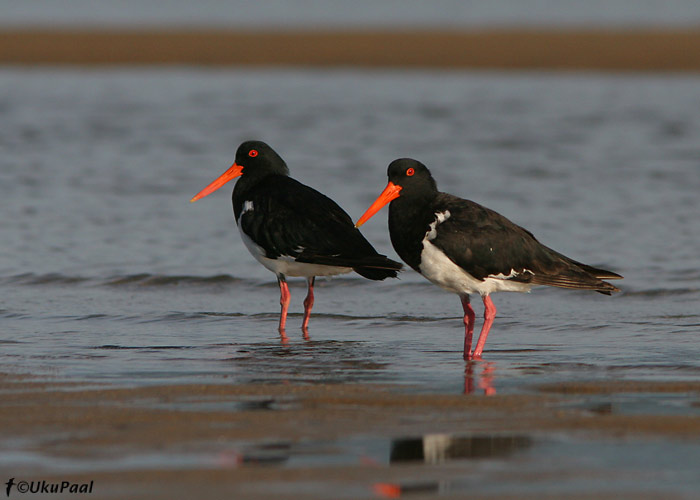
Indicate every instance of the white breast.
{"type": "Point", "coordinates": [440, 270]}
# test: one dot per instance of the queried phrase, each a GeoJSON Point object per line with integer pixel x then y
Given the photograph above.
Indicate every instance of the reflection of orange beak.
{"type": "Point", "coordinates": [230, 174]}
{"type": "Point", "coordinates": [391, 192]}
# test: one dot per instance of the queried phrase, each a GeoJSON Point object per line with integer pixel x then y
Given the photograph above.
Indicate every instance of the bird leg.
{"type": "Point", "coordinates": [489, 315]}
{"type": "Point", "coordinates": [308, 304]}
{"type": "Point", "coordinates": [285, 299]}
{"type": "Point", "coordinates": [469, 318]}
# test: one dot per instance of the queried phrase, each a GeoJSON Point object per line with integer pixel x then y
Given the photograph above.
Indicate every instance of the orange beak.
{"type": "Point", "coordinates": [391, 192]}
{"type": "Point", "coordinates": [230, 174]}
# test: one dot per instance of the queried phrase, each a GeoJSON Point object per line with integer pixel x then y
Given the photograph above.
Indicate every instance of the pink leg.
{"type": "Point", "coordinates": [489, 315]}
{"type": "Point", "coordinates": [285, 299]}
{"type": "Point", "coordinates": [469, 318]}
{"type": "Point", "coordinates": [308, 304]}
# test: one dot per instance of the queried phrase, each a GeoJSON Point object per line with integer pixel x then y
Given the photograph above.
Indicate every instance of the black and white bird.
{"type": "Point", "coordinates": [466, 248]}
{"type": "Point", "coordinates": [292, 229]}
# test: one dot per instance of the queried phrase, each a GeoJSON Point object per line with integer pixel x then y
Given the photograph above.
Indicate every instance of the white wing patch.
{"type": "Point", "coordinates": [440, 217]}
{"type": "Point", "coordinates": [513, 274]}
{"type": "Point", "coordinates": [247, 207]}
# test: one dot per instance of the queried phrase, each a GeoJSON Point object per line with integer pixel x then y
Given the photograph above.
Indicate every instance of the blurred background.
{"type": "Point", "coordinates": [594, 34]}
{"type": "Point", "coordinates": [339, 13]}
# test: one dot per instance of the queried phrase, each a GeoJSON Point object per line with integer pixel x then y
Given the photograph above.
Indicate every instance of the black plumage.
{"type": "Point", "coordinates": [292, 229]}
{"type": "Point", "coordinates": [484, 243]}
{"type": "Point", "coordinates": [467, 248]}
{"type": "Point", "coordinates": [291, 219]}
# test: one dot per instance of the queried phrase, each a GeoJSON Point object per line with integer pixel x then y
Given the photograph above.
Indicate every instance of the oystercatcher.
{"type": "Point", "coordinates": [292, 229]}
{"type": "Point", "coordinates": [466, 248]}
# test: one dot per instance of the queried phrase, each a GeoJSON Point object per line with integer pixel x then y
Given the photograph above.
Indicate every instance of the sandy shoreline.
{"type": "Point", "coordinates": [511, 49]}
{"type": "Point", "coordinates": [85, 424]}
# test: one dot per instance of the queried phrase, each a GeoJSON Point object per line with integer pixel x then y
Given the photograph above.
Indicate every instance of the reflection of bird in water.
{"type": "Point", "coordinates": [485, 380]}
{"type": "Point", "coordinates": [436, 449]}
{"type": "Point", "coordinates": [439, 448]}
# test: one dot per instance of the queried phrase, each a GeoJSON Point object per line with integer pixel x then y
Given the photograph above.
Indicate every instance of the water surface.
{"type": "Point", "coordinates": [107, 271]}
{"type": "Point", "coordinates": [109, 274]}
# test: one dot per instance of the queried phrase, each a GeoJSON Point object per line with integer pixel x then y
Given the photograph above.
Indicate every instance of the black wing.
{"type": "Point", "coordinates": [289, 218]}
{"type": "Point", "coordinates": [484, 243]}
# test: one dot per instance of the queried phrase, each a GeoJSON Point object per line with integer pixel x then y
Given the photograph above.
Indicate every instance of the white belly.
{"type": "Point", "coordinates": [286, 265]}
{"type": "Point", "coordinates": [440, 270]}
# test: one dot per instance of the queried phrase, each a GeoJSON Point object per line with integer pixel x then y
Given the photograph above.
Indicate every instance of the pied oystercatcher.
{"type": "Point", "coordinates": [292, 229]}
{"type": "Point", "coordinates": [466, 248]}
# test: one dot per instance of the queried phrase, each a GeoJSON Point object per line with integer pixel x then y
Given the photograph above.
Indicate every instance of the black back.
{"type": "Point", "coordinates": [291, 219]}
{"type": "Point", "coordinates": [479, 240]}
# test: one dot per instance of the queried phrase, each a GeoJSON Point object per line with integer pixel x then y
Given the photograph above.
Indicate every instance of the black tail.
{"type": "Point", "coordinates": [599, 273]}
{"type": "Point", "coordinates": [373, 267]}
{"type": "Point", "coordinates": [582, 276]}
{"type": "Point", "coordinates": [378, 267]}
{"type": "Point", "coordinates": [578, 281]}
{"type": "Point", "coordinates": [569, 273]}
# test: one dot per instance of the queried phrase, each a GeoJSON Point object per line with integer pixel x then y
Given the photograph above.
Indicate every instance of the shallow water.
{"type": "Point", "coordinates": [109, 274]}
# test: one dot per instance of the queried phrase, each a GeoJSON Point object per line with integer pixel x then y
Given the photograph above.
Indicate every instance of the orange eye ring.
{"type": "Point", "coordinates": [253, 153]}
{"type": "Point", "coordinates": [410, 172]}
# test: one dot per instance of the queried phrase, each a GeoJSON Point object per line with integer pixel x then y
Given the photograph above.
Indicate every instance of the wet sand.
{"type": "Point", "coordinates": [513, 49]}
{"type": "Point", "coordinates": [81, 424]}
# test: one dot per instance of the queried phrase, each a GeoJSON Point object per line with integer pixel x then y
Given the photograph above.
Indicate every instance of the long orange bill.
{"type": "Point", "coordinates": [391, 192]}
{"type": "Point", "coordinates": [230, 174]}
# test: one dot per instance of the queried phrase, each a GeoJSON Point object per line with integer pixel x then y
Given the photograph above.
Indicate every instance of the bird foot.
{"type": "Point", "coordinates": [472, 357]}
{"type": "Point", "coordinates": [283, 336]}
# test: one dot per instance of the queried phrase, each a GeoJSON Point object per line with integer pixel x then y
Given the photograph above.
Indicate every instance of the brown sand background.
{"type": "Point", "coordinates": [85, 422]}
{"type": "Point", "coordinates": [513, 49]}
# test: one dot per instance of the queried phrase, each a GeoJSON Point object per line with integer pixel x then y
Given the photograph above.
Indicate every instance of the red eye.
{"type": "Point", "coordinates": [253, 153]}
{"type": "Point", "coordinates": [410, 172]}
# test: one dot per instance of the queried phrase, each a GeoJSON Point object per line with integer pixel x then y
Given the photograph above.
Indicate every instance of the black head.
{"type": "Point", "coordinates": [412, 176]}
{"type": "Point", "coordinates": [257, 157]}
{"type": "Point", "coordinates": [254, 160]}
{"type": "Point", "coordinates": [409, 181]}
